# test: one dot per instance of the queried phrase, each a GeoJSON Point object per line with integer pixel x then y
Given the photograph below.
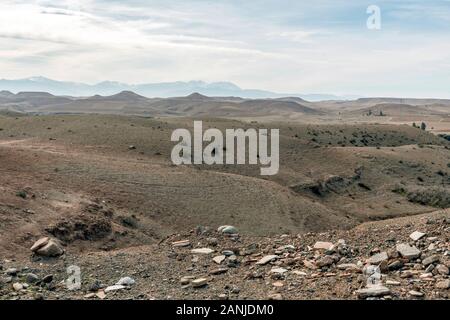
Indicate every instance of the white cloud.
{"type": "Point", "coordinates": [94, 40]}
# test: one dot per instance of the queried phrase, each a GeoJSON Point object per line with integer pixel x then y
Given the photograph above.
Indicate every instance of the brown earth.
{"type": "Point", "coordinates": [75, 178]}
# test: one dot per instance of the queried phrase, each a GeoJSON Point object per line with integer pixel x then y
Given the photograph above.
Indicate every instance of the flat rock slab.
{"type": "Point", "coordinates": [202, 251]}
{"type": "Point", "coordinates": [416, 235]}
{"type": "Point", "coordinates": [114, 288]}
{"type": "Point", "coordinates": [219, 259]}
{"type": "Point", "coordinates": [266, 259]}
{"type": "Point", "coordinates": [375, 291]}
{"type": "Point", "coordinates": [279, 270]}
{"type": "Point", "coordinates": [197, 283]}
{"type": "Point", "coordinates": [407, 251]}
{"type": "Point", "coordinates": [320, 245]}
{"type": "Point", "coordinates": [431, 259]}
{"type": "Point", "coordinates": [182, 243]}
{"type": "Point", "coordinates": [378, 258]}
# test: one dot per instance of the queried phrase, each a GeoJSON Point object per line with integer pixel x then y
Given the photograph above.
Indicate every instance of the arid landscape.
{"type": "Point", "coordinates": [94, 175]}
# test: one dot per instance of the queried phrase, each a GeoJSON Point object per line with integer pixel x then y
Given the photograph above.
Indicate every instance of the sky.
{"type": "Point", "coordinates": [321, 46]}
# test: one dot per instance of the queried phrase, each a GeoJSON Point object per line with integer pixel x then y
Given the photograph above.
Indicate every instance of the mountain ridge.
{"type": "Point", "coordinates": [151, 90]}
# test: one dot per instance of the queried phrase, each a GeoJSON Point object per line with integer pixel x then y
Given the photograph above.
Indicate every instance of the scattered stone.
{"type": "Point", "coordinates": [48, 278]}
{"type": "Point", "coordinates": [181, 243]}
{"type": "Point", "coordinates": [415, 293]}
{"type": "Point", "coordinates": [202, 251]}
{"type": "Point", "coordinates": [416, 235]}
{"type": "Point", "coordinates": [186, 280]}
{"type": "Point", "coordinates": [275, 296]}
{"type": "Point", "coordinates": [31, 278]}
{"type": "Point", "coordinates": [266, 259]}
{"type": "Point", "coordinates": [200, 282]}
{"type": "Point", "coordinates": [278, 284]}
{"type": "Point", "coordinates": [227, 230]}
{"type": "Point", "coordinates": [310, 264]}
{"type": "Point", "coordinates": [320, 245]}
{"type": "Point", "coordinates": [126, 281]}
{"type": "Point", "coordinates": [212, 241]}
{"type": "Point", "coordinates": [348, 267]}
{"type": "Point", "coordinates": [374, 291]}
{"type": "Point", "coordinates": [299, 273]}
{"type": "Point", "coordinates": [51, 249]}
{"type": "Point", "coordinates": [101, 294]}
{"type": "Point", "coordinates": [39, 244]}
{"type": "Point", "coordinates": [218, 271]}
{"type": "Point", "coordinates": [115, 287]}
{"type": "Point", "coordinates": [219, 259]}
{"type": "Point", "coordinates": [227, 253]}
{"type": "Point", "coordinates": [378, 258]}
{"type": "Point", "coordinates": [325, 261]}
{"type": "Point", "coordinates": [444, 284]}
{"type": "Point", "coordinates": [279, 270]}
{"type": "Point", "coordinates": [393, 283]}
{"type": "Point", "coordinates": [11, 272]}
{"type": "Point", "coordinates": [232, 261]}
{"type": "Point", "coordinates": [426, 275]}
{"type": "Point", "coordinates": [17, 286]}
{"type": "Point", "coordinates": [407, 251]}
{"type": "Point", "coordinates": [442, 269]}
{"type": "Point", "coordinates": [395, 265]}
{"type": "Point", "coordinates": [429, 260]}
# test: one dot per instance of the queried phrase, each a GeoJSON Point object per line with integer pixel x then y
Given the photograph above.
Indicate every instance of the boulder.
{"type": "Point", "coordinates": [51, 249]}
{"type": "Point", "coordinates": [407, 251]}
{"type": "Point", "coordinates": [39, 244]}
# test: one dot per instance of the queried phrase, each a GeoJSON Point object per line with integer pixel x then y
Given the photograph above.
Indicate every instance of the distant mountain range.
{"type": "Point", "coordinates": [162, 90]}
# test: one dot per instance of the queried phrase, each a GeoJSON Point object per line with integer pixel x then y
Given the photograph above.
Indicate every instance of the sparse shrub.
{"type": "Point", "coordinates": [423, 126]}
{"type": "Point", "coordinates": [434, 197]}
{"type": "Point", "coordinates": [128, 221]}
{"type": "Point", "coordinates": [22, 194]}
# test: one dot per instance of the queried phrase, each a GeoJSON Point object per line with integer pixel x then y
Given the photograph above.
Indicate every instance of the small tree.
{"type": "Point", "coordinates": [381, 113]}
{"type": "Point", "coordinates": [414, 125]}
{"type": "Point", "coordinates": [423, 126]}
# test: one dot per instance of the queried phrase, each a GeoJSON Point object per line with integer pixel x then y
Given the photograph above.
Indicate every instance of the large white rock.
{"type": "Point", "coordinates": [378, 258]}
{"type": "Point", "coordinates": [407, 251]}
{"type": "Point", "coordinates": [197, 283]}
{"type": "Point", "coordinates": [320, 245]}
{"type": "Point", "coordinates": [39, 244]}
{"type": "Point", "coordinates": [374, 291]}
{"type": "Point", "coordinates": [219, 259]}
{"type": "Point", "coordinates": [114, 288]}
{"type": "Point", "coordinates": [266, 259]}
{"type": "Point", "coordinates": [126, 281]}
{"type": "Point", "coordinates": [51, 249]}
{"type": "Point", "coordinates": [416, 235]}
{"type": "Point", "coordinates": [202, 251]}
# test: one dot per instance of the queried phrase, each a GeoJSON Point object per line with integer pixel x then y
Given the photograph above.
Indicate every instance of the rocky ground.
{"type": "Point", "coordinates": [412, 255]}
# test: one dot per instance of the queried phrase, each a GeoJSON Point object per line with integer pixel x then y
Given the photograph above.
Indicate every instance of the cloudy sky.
{"type": "Point", "coordinates": [321, 46]}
